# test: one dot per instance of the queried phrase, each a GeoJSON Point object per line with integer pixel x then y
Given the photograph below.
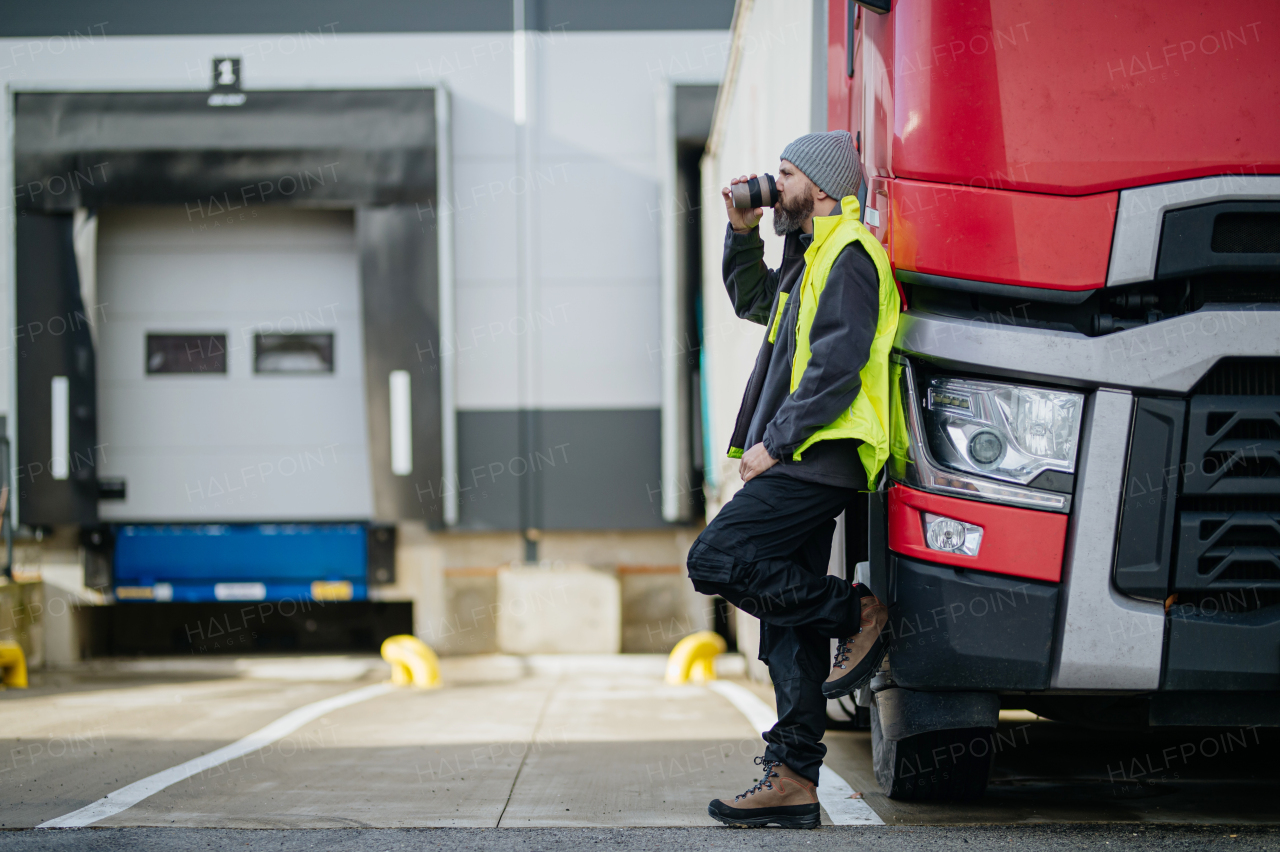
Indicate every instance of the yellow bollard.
{"type": "Point", "coordinates": [13, 665]}
{"type": "Point", "coordinates": [412, 661]}
{"type": "Point", "coordinates": [694, 658]}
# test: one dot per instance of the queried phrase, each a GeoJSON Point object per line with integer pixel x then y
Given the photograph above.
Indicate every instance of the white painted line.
{"type": "Point", "coordinates": [759, 715]}
{"type": "Point", "coordinates": [838, 798]}
{"type": "Point", "coordinates": [834, 792]}
{"type": "Point", "coordinates": [128, 796]}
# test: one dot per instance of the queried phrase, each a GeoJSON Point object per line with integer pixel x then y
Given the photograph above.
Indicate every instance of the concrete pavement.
{"type": "Point", "coordinates": [507, 743]}
{"type": "Point", "coordinates": [532, 743]}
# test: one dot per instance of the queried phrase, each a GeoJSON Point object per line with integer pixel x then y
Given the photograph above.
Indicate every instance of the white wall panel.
{"type": "Point", "coordinates": [601, 113]}
{"type": "Point", "coordinates": [484, 207]}
{"type": "Point", "coordinates": [598, 209]}
{"type": "Point", "coordinates": [597, 222]}
{"type": "Point", "coordinates": [599, 345]}
{"type": "Point", "coordinates": [597, 89]}
{"type": "Point", "coordinates": [488, 346]}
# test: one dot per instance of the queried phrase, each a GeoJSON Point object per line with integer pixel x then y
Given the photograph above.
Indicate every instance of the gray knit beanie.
{"type": "Point", "coordinates": [827, 159]}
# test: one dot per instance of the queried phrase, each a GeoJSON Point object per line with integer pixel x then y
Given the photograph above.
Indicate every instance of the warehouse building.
{"type": "Point", "coordinates": [353, 305]}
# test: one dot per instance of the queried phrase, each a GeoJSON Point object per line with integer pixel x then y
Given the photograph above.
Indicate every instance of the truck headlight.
{"type": "Point", "coordinates": [981, 440]}
{"type": "Point", "coordinates": [1001, 431]}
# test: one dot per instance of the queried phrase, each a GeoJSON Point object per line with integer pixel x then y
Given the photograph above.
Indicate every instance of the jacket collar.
{"type": "Point", "coordinates": [824, 225]}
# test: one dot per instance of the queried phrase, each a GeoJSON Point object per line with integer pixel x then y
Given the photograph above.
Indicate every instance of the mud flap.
{"type": "Point", "coordinates": [933, 745]}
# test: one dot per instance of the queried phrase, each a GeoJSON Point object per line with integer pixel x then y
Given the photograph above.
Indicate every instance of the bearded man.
{"type": "Point", "coordinates": [812, 431]}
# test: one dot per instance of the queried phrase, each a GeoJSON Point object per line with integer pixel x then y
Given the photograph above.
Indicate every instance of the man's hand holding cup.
{"type": "Point", "coordinates": [741, 220]}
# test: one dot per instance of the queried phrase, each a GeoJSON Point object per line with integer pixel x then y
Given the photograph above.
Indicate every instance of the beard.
{"type": "Point", "coordinates": [790, 213]}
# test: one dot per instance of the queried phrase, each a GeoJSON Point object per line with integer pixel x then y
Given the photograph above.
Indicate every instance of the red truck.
{"type": "Point", "coordinates": [1081, 516]}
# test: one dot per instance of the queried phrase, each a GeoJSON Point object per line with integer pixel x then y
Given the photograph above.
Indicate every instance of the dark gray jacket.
{"type": "Point", "coordinates": [840, 341]}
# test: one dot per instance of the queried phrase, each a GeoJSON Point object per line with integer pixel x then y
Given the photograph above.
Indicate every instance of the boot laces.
{"type": "Point", "coordinates": [764, 778]}
{"type": "Point", "coordinates": [842, 652]}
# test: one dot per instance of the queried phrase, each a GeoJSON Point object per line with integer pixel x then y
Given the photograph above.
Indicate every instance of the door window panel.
{"type": "Point", "coordinates": [186, 353]}
{"type": "Point", "coordinates": [293, 353]}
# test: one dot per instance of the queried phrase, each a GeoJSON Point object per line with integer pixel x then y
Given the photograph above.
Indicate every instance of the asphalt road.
{"type": "Point", "coordinates": [844, 839]}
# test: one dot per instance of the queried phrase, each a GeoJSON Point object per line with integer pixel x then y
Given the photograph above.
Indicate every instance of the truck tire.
{"type": "Point", "coordinates": [950, 765]}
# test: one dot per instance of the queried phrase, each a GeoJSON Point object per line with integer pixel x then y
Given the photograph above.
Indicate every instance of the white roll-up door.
{"type": "Point", "coordinates": [231, 369]}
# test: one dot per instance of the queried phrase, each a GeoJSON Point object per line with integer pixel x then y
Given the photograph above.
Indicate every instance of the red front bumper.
{"type": "Point", "coordinates": [1017, 542]}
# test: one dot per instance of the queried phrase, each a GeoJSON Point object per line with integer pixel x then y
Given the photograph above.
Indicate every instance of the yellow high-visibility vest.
{"type": "Point", "coordinates": [867, 419]}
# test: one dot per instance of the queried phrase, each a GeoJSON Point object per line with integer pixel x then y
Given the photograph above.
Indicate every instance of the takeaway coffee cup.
{"type": "Point", "coordinates": [757, 192]}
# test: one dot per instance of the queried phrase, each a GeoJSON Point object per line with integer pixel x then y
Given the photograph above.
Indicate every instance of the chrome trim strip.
{"type": "Point", "coordinates": [927, 475]}
{"type": "Point", "coordinates": [1136, 241]}
{"type": "Point", "coordinates": [1105, 640]}
{"type": "Point", "coordinates": [1171, 355]}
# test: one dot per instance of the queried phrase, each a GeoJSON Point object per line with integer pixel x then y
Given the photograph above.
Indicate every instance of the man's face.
{"type": "Point", "coordinates": [796, 196]}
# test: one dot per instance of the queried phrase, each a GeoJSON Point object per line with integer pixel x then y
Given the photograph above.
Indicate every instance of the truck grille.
{"type": "Point", "coordinates": [1233, 445]}
{"type": "Point", "coordinates": [1228, 509]}
{"type": "Point", "coordinates": [1230, 548]}
{"type": "Point", "coordinates": [1242, 377]}
{"type": "Point", "coordinates": [1246, 233]}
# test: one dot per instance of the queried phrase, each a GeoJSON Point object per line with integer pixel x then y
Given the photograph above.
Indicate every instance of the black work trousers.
{"type": "Point", "coordinates": [767, 552]}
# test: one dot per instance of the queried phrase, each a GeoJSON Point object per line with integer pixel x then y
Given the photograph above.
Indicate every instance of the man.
{"type": "Point", "coordinates": [812, 431]}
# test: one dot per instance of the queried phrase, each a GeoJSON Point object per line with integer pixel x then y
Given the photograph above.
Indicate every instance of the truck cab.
{"type": "Point", "coordinates": [1081, 515]}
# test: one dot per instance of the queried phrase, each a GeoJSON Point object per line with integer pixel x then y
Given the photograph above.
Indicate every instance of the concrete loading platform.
{"type": "Point", "coordinates": [527, 742]}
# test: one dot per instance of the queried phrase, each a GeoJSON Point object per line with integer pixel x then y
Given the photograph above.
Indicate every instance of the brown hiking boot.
{"type": "Point", "coordinates": [858, 656]}
{"type": "Point", "coordinates": [780, 797]}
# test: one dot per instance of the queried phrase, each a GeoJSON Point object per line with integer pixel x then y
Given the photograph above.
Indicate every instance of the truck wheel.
{"type": "Point", "coordinates": [936, 765]}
